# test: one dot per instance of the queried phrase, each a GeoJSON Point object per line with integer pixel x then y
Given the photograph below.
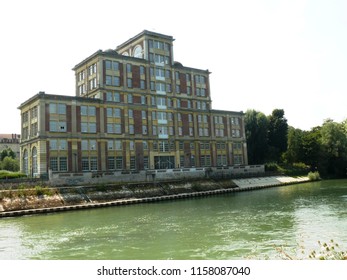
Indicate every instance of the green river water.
{"type": "Point", "coordinates": [244, 225]}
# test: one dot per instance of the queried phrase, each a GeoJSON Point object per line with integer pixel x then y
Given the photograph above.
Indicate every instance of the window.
{"type": "Point", "coordinates": [116, 81]}
{"type": "Point", "coordinates": [131, 129]}
{"type": "Point", "coordinates": [110, 145]}
{"type": "Point", "coordinates": [161, 101]}
{"type": "Point", "coordinates": [142, 70]}
{"type": "Point", "coordinates": [116, 97]}
{"type": "Point", "coordinates": [81, 76]}
{"type": "Point", "coordinates": [85, 164]}
{"type": "Point", "coordinates": [182, 161]}
{"type": "Point", "coordinates": [55, 108]}
{"type": "Point", "coordinates": [118, 128]}
{"type": "Point", "coordinates": [93, 163]}
{"type": "Point", "coordinates": [55, 126]}
{"type": "Point", "coordinates": [62, 164]}
{"type": "Point", "coordinates": [130, 113]}
{"type": "Point", "coordinates": [187, 77]}
{"type": "Point", "coordinates": [145, 162]}
{"type": "Point", "coordinates": [129, 68]}
{"type": "Point", "coordinates": [108, 80]}
{"type": "Point", "coordinates": [160, 73]}
{"type": "Point", "coordinates": [88, 145]}
{"type": "Point", "coordinates": [145, 145]}
{"type": "Point", "coordinates": [152, 85]}
{"type": "Point", "coordinates": [142, 84]}
{"type": "Point", "coordinates": [131, 145]}
{"type": "Point", "coordinates": [118, 144]}
{"type": "Point", "coordinates": [111, 163]}
{"type": "Point", "coordinates": [143, 100]}
{"type": "Point", "coordinates": [132, 163]}
{"type": "Point", "coordinates": [53, 163]}
{"type": "Point", "coordinates": [178, 89]}
{"type": "Point", "coordinates": [92, 83]}
{"type": "Point", "coordinates": [144, 115]}
{"type": "Point", "coordinates": [130, 82]}
{"type": "Point", "coordinates": [177, 75]}
{"type": "Point", "coordinates": [235, 133]}
{"type": "Point", "coordinates": [235, 121]}
{"type": "Point", "coordinates": [160, 87]}
{"type": "Point", "coordinates": [57, 145]}
{"type": "Point", "coordinates": [115, 65]}
{"type": "Point", "coordinates": [88, 127]}
{"type": "Point", "coordinates": [119, 162]}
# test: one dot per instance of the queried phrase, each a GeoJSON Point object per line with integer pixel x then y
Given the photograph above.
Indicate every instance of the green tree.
{"type": "Point", "coordinates": [10, 164]}
{"type": "Point", "coordinates": [7, 153]}
{"type": "Point", "coordinates": [256, 127]}
{"type": "Point", "coordinates": [312, 149]}
{"type": "Point", "coordinates": [294, 151]}
{"type": "Point", "coordinates": [277, 135]}
{"type": "Point", "coordinates": [334, 146]}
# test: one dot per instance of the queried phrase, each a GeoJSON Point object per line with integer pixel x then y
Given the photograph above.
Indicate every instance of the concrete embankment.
{"type": "Point", "coordinates": [236, 185]}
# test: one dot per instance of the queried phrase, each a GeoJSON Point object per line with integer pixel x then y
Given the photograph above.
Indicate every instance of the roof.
{"type": "Point", "coordinates": [56, 97]}
{"type": "Point", "coordinates": [148, 33]}
{"type": "Point", "coordinates": [10, 136]}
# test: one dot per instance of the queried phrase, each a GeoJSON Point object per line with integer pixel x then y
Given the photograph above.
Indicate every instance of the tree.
{"type": "Point", "coordinates": [277, 135]}
{"type": "Point", "coordinates": [256, 127]}
{"type": "Point", "coordinates": [7, 153]}
{"type": "Point", "coordinates": [334, 146]}
{"type": "Point", "coordinates": [294, 151]}
{"type": "Point", "coordinates": [10, 164]}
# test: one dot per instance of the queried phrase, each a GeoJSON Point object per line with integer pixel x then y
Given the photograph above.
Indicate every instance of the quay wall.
{"type": "Point", "coordinates": [158, 192]}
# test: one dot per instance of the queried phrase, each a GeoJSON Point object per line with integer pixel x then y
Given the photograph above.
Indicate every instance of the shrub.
{"type": "Point", "coordinates": [4, 174]}
{"type": "Point", "coordinates": [330, 251]}
{"type": "Point", "coordinates": [274, 167]}
{"type": "Point", "coordinates": [314, 176]}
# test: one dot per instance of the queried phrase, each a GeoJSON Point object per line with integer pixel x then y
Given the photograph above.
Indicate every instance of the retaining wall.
{"type": "Point", "coordinates": [242, 185]}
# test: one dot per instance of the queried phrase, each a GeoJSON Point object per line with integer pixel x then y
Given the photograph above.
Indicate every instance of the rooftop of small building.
{"type": "Point", "coordinates": [145, 33]}
{"type": "Point", "coordinates": [57, 97]}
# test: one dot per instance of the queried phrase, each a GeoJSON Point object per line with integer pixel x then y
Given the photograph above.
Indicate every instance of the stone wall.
{"type": "Point", "coordinates": [58, 179]}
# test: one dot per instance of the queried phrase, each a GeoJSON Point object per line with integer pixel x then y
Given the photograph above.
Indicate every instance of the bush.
{"type": "Point", "coordinates": [314, 176]}
{"type": "Point", "coordinates": [4, 174]}
{"type": "Point", "coordinates": [330, 251]}
{"type": "Point", "coordinates": [274, 167]}
{"type": "Point", "coordinates": [10, 164]}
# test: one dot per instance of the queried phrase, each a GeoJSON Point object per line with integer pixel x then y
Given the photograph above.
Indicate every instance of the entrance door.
{"type": "Point", "coordinates": [164, 162]}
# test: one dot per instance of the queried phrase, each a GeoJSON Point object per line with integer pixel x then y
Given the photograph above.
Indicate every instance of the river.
{"type": "Point", "coordinates": [243, 225]}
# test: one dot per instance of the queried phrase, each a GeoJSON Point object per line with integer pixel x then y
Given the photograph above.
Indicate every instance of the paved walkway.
{"type": "Point", "coordinates": [268, 181]}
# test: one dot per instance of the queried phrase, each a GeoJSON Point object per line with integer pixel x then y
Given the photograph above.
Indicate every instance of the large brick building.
{"type": "Point", "coordinates": [135, 108]}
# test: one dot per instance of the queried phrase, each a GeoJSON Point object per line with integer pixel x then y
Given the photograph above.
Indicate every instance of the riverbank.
{"type": "Point", "coordinates": [21, 202]}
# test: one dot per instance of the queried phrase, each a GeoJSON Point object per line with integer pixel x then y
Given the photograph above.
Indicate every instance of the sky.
{"type": "Point", "coordinates": [262, 54]}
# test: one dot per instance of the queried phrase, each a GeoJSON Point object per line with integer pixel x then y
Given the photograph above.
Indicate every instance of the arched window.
{"type": "Point", "coordinates": [34, 160]}
{"type": "Point", "coordinates": [25, 162]}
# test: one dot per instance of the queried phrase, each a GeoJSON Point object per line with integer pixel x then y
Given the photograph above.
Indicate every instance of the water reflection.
{"type": "Point", "coordinates": [233, 226]}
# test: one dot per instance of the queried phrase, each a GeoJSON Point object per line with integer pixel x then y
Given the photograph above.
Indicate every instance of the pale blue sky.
{"type": "Point", "coordinates": [263, 54]}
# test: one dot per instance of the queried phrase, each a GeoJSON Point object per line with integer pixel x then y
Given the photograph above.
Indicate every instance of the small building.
{"type": "Point", "coordinates": [135, 108]}
{"type": "Point", "coordinates": [10, 141]}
